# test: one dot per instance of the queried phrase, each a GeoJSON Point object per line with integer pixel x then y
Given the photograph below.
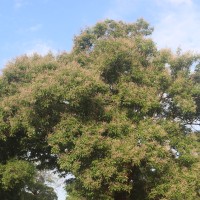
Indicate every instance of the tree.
{"type": "Point", "coordinates": [115, 112]}
{"type": "Point", "coordinates": [20, 180]}
{"type": "Point", "coordinates": [21, 155]}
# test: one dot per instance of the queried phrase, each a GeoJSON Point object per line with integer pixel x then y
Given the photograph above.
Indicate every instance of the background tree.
{"type": "Point", "coordinates": [19, 150]}
{"type": "Point", "coordinates": [20, 180]}
{"type": "Point", "coordinates": [116, 112]}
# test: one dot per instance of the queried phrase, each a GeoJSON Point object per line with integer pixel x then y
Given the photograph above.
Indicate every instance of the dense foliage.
{"type": "Point", "coordinates": [116, 112]}
{"type": "Point", "coordinates": [20, 180]}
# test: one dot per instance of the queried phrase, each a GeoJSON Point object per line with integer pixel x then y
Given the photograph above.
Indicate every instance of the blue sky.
{"type": "Point", "coordinates": [29, 26]}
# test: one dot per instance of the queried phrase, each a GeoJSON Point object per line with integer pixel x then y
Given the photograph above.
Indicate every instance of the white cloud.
{"type": "Point", "coordinates": [179, 28]}
{"type": "Point", "coordinates": [174, 2]}
{"type": "Point", "coordinates": [29, 48]}
{"type": "Point", "coordinates": [34, 28]}
{"type": "Point", "coordinates": [20, 3]}
{"type": "Point", "coordinates": [177, 2]}
{"type": "Point", "coordinates": [31, 29]}
{"type": "Point", "coordinates": [121, 8]}
{"type": "Point", "coordinates": [39, 47]}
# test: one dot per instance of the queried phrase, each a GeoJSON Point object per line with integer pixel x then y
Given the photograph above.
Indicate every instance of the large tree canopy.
{"type": "Point", "coordinates": [116, 112]}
